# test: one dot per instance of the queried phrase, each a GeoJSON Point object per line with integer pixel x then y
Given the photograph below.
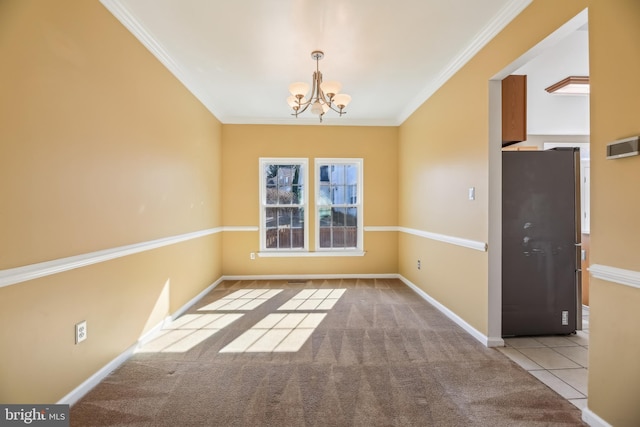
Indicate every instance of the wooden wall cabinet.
{"type": "Point", "coordinates": [514, 109]}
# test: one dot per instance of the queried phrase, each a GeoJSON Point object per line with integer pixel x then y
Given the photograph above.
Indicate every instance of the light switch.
{"type": "Point", "coordinates": [472, 193]}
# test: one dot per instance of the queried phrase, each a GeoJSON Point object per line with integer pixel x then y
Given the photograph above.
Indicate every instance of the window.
{"type": "Point", "coordinates": [283, 213]}
{"type": "Point", "coordinates": [338, 204]}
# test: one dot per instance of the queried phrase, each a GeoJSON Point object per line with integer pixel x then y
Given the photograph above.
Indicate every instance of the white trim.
{"type": "Point", "coordinates": [25, 273]}
{"type": "Point", "coordinates": [16, 275]}
{"type": "Point", "coordinates": [294, 254]}
{"type": "Point", "coordinates": [472, 244]}
{"type": "Point", "coordinates": [486, 341]}
{"type": "Point", "coordinates": [233, 228]}
{"type": "Point", "coordinates": [312, 276]}
{"type": "Point", "coordinates": [179, 312]}
{"type": "Point", "coordinates": [589, 417]}
{"type": "Point", "coordinates": [76, 394]}
{"type": "Point", "coordinates": [129, 20]}
{"type": "Point", "coordinates": [616, 275]}
{"type": "Point", "coordinates": [500, 21]}
{"type": "Point", "coordinates": [380, 228]}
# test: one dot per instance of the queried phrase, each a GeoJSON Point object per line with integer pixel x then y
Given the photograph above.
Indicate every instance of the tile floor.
{"type": "Point", "coordinates": [558, 361]}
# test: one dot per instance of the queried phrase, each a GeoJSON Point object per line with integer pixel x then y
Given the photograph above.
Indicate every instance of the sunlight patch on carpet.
{"type": "Point", "coordinates": [242, 300]}
{"type": "Point", "coordinates": [277, 332]}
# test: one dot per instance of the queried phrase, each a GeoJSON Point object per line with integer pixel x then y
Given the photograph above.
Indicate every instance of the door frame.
{"type": "Point", "coordinates": [494, 321]}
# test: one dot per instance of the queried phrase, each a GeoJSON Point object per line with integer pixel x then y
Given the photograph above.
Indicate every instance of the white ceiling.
{"type": "Point", "coordinates": [239, 57]}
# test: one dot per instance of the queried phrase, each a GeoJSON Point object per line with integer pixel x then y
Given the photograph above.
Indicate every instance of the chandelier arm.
{"type": "Point", "coordinates": [302, 109]}
{"type": "Point", "coordinates": [337, 110]}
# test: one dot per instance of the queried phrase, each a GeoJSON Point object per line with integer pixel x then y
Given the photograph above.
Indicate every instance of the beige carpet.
{"type": "Point", "coordinates": [381, 356]}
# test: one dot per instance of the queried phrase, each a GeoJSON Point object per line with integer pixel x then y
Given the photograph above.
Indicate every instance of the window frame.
{"type": "Point", "coordinates": [359, 162]}
{"type": "Point", "coordinates": [263, 163]}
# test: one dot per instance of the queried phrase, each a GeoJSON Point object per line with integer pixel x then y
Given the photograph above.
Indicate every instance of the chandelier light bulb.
{"type": "Point", "coordinates": [342, 100]}
{"type": "Point", "coordinates": [331, 88]}
{"type": "Point", "coordinates": [299, 89]}
{"type": "Point", "coordinates": [317, 109]}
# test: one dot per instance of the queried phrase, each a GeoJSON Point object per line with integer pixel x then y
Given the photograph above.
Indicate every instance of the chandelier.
{"type": "Point", "coordinates": [324, 95]}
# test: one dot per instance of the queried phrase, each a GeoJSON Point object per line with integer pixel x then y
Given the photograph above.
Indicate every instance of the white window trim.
{"type": "Point", "coordinates": [263, 161]}
{"type": "Point", "coordinates": [359, 249]}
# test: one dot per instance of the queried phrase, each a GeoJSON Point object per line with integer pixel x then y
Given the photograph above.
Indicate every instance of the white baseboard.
{"type": "Point", "coordinates": [76, 394]}
{"type": "Point", "coordinates": [84, 388]}
{"type": "Point", "coordinates": [589, 417]}
{"type": "Point", "coordinates": [485, 340]}
{"type": "Point", "coordinates": [179, 312]}
{"type": "Point", "coordinates": [312, 276]}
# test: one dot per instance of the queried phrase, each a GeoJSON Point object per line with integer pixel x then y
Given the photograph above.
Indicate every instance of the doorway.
{"type": "Point", "coordinates": [495, 173]}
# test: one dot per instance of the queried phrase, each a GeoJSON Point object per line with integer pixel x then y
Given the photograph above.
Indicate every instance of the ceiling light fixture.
{"type": "Point", "coordinates": [324, 95]}
{"type": "Point", "coordinates": [572, 85]}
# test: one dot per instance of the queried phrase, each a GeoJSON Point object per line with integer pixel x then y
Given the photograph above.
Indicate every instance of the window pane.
{"type": "Point", "coordinates": [284, 217]}
{"type": "Point", "coordinates": [272, 238]}
{"type": "Point", "coordinates": [351, 217]}
{"type": "Point", "coordinates": [296, 194]}
{"type": "Point", "coordinates": [351, 174]}
{"type": "Point", "coordinates": [338, 237]}
{"type": "Point", "coordinates": [325, 195]}
{"type": "Point", "coordinates": [325, 237]}
{"type": "Point", "coordinates": [270, 218]}
{"type": "Point", "coordinates": [324, 174]}
{"type": "Point", "coordinates": [272, 194]}
{"type": "Point", "coordinates": [352, 194]}
{"type": "Point", "coordinates": [351, 240]}
{"type": "Point", "coordinates": [338, 216]}
{"type": "Point", "coordinates": [339, 196]}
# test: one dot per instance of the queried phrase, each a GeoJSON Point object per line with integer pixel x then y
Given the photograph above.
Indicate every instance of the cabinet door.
{"type": "Point", "coordinates": [514, 109]}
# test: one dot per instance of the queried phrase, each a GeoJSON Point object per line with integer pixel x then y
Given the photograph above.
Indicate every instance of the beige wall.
{"type": "Point", "coordinates": [444, 150]}
{"type": "Point", "coordinates": [243, 145]}
{"type": "Point", "coordinates": [438, 158]}
{"type": "Point", "coordinates": [100, 147]}
{"type": "Point", "coordinates": [614, 350]}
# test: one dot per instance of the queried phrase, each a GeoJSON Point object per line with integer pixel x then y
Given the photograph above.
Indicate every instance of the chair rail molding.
{"type": "Point", "coordinates": [616, 275]}
{"type": "Point", "coordinates": [16, 275]}
{"type": "Point", "coordinates": [458, 241]}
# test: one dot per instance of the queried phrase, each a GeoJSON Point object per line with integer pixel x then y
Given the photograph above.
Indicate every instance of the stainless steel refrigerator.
{"type": "Point", "coordinates": [541, 284]}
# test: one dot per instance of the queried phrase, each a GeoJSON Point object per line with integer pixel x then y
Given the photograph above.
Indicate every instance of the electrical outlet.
{"type": "Point", "coordinates": [252, 255]}
{"type": "Point", "coordinates": [419, 265]}
{"type": "Point", "coordinates": [81, 331]}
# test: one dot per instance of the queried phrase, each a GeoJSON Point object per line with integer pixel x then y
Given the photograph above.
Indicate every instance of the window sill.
{"type": "Point", "coordinates": [295, 254]}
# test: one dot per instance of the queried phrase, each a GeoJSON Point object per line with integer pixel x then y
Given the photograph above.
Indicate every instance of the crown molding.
{"type": "Point", "coordinates": [131, 23]}
{"type": "Point", "coordinates": [501, 20]}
